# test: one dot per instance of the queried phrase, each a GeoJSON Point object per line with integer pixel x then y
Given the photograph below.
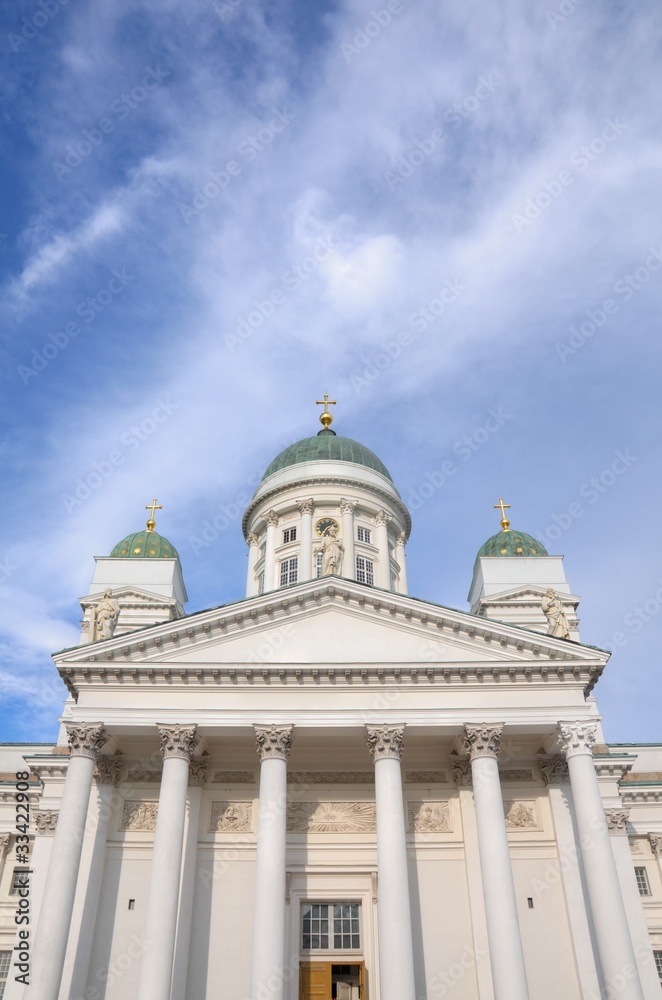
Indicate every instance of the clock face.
{"type": "Point", "coordinates": [324, 524]}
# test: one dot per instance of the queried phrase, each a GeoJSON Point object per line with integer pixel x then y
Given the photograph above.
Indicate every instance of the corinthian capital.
{"type": "Point", "coordinates": [385, 742]}
{"type": "Point", "coordinates": [273, 741]}
{"type": "Point", "coordinates": [348, 506]}
{"type": "Point", "coordinates": [577, 738]}
{"type": "Point", "coordinates": [553, 769]}
{"type": "Point", "coordinates": [108, 769]}
{"type": "Point", "coordinates": [381, 517]}
{"type": "Point", "coordinates": [86, 741]}
{"type": "Point", "coordinates": [482, 740]}
{"type": "Point", "coordinates": [616, 819]}
{"type": "Point", "coordinates": [272, 518]}
{"type": "Point", "coordinates": [252, 538]}
{"type": "Point", "coordinates": [177, 741]}
{"type": "Point", "coordinates": [306, 506]}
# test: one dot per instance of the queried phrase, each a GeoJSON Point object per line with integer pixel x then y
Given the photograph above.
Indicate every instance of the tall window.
{"type": "Point", "coordinates": [318, 565]}
{"type": "Point", "coordinates": [5, 959]}
{"type": "Point", "coordinates": [289, 535]}
{"type": "Point", "coordinates": [363, 534]}
{"type": "Point", "coordinates": [642, 881]}
{"type": "Point", "coordinates": [289, 571]}
{"type": "Point", "coordinates": [330, 927]}
{"type": "Point", "coordinates": [260, 583]}
{"type": "Point", "coordinates": [365, 570]}
{"type": "Point", "coordinates": [20, 878]}
{"type": "Point", "coordinates": [657, 955]}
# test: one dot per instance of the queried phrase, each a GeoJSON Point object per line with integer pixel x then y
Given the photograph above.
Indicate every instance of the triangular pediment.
{"type": "Point", "coordinates": [526, 594]}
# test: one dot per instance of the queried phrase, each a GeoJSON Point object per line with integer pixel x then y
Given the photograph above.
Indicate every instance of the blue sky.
{"type": "Point", "coordinates": [214, 212]}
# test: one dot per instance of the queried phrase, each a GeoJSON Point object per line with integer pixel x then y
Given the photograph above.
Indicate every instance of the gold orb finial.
{"type": "Point", "coordinates": [151, 524]}
{"type": "Point", "coordinates": [326, 419]}
{"type": "Point", "coordinates": [505, 523]}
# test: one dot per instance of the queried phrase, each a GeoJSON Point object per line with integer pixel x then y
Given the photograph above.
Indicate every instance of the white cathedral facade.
{"type": "Point", "coordinates": [330, 790]}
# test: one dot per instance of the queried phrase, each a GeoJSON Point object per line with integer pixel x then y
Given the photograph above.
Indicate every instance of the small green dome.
{"type": "Point", "coordinates": [512, 543]}
{"type": "Point", "coordinates": [145, 544]}
{"type": "Point", "coordinates": [327, 446]}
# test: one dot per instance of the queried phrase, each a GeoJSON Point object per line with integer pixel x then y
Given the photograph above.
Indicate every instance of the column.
{"type": "Point", "coordinates": [347, 508]}
{"type": "Point", "coordinates": [85, 743]}
{"type": "Point", "coordinates": [155, 977]}
{"type": "Point", "coordinates": [383, 574]}
{"type": "Point", "coordinates": [306, 508]}
{"type": "Point", "coordinates": [196, 781]}
{"type": "Point", "coordinates": [396, 954]}
{"type": "Point", "coordinates": [482, 743]}
{"type": "Point", "coordinates": [5, 843]}
{"type": "Point", "coordinates": [655, 840]}
{"type": "Point", "coordinates": [270, 582]}
{"type": "Point", "coordinates": [253, 555]}
{"type": "Point", "coordinates": [607, 908]}
{"type": "Point", "coordinates": [268, 957]}
{"type": "Point", "coordinates": [400, 558]}
{"type": "Point", "coordinates": [617, 825]}
{"type": "Point", "coordinates": [77, 965]}
{"type": "Point", "coordinates": [554, 773]}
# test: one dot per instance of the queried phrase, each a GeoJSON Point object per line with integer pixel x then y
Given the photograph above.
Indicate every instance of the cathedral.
{"type": "Point", "coordinates": [330, 789]}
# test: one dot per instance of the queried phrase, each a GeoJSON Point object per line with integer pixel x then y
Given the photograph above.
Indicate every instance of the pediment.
{"type": "Point", "coordinates": [529, 594]}
{"type": "Point", "coordinates": [128, 596]}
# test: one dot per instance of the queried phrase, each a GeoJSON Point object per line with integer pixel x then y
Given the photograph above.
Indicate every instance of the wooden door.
{"type": "Point", "coordinates": [362, 993]}
{"type": "Point", "coordinates": [315, 981]}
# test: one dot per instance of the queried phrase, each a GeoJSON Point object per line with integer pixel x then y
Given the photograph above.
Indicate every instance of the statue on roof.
{"type": "Point", "coordinates": [104, 617]}
{"type": "Point", "coordinates": [556, 616]}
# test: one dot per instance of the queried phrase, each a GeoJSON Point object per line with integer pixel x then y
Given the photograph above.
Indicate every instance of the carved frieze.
{"type": "Point", "coordinates": [139, 816]}
{"type": "Point", "coordinates": [231, 817]}
{"type": "Point", "coordinates": [45, 822]}
{"type": "Point", "coordinates": [273, 741]}
{"type": "Point", "coordinates": [554, 769]}
{"type": "Point", "coordinates": [197, 772]}
{"type": "Point", "coordinates": [86, 741]}
{"type": "Point", "coordinates": [385, 742]}
{"type": "Point", "coordinates": [235, 777]}
{"type": "Point", "coordinates": [177, 741]}
{"type": "Point", "coordinates": [330, 777]}
{"type": "Point", "coordinates": [426, 777]}
{"type": "Point", "coordinates": [516, 774]}
{"type": "Point", "coordinates": [429, 817]}
{"type": "Point", "coordinates": [521, 815]}
{"type": "Point", "coordinates": [331, 817]}
{"type": "Point", "coordinates": [108, 769]}
{"type": "Point", "coordinates": [462, 772]}
{"type": "Point", "coordinates": [617, 819]}
{"type": "Point", "coordinates": [482, 740]}
{"type": "Point", "coordinates": [143, 774]}
{"type": "Point", "coordinates": [577, 737]}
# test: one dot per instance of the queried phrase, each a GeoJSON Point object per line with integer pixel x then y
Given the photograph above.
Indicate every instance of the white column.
{"type": "Point", "coordinates": [77, 964]}
{"type": "Point", "coordinates": [554, 771]}
{"type": "Point", "coordinates": [400, 558]}
{"type": "Point", "coordinates": [306, 508]}
{"type": "Point", "coordinates": [268, 974]}
{"type": "Point", "coordinates": [196, 780]}
{"type": "Point", "coordinates": [270, 582]}
{"type": "Point", "coordinates": [396, 954]}
{"type": "Point", "coordinates": [617, 825]}
{"type": "Point", "coordinates": [156, 966]}
{"type": "Point", "coordinates": [482, 743]}
{"type": "Point", "coordinates": [609, 918]}
{"type": "Point", "coordinates": [57, 905]}
{"type": "Point", "coordinates": [383, 574]}
{"type": "Point", "coordinates": [253, 554]}
{"type": "Point", "coordinates": [655, 840]}
{"type": "Point", "coordinates": [347, 508]}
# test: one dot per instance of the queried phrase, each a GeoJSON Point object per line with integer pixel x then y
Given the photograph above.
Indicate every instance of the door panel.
{"type": "Point", "coordinates": [315, 981]}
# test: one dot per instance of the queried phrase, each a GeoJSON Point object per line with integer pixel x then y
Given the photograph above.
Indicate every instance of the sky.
{"type": "Point", "coordinates": [446, 216]}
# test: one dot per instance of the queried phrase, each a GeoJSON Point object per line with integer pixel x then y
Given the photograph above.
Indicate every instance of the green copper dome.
{"type": "Point", "coordinates": [512, 543]}
{"type": "Point", "coordinates": [327, 446]}
{"type": "Point", "coordinates": [145, 544]}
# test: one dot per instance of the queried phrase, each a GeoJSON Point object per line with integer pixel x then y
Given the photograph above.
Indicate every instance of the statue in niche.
{"type": "Point", "coordinates": [332, 553]}
{"type": "Point", "coordinates": [556, 616]}
{"type": "Point", "coordinates": [104, 617]}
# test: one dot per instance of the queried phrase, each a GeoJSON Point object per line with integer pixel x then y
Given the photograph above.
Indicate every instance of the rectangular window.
{"type": "Point", "coordinates": [289, 535]}
{"type": "Point", "coordinates": [642, 882]}
{"type": "Point", "coordinates": [5, 959]}
{"type": "Point", "coordinates": [318, 565]}
{"type": "Point", "coordinates": [364, 570]}
{"type": "Point", "coordinates": [260, 583]}
{"type": "Point", "coordinates": [657, 955]}
{"type": "Point", "coordinates": [289, 571]}
{"type": "Point", "coordinates": [330, 927]}
{"type": "Point", "coordinates": [363, 535]}
{"type": "Point", "coordinates": [19, 880]}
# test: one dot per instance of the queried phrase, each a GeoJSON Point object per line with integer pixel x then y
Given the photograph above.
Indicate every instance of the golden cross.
{"type": "Point", "coordinates": [505, 523]}
{"type": "Point", "coordinates": [152, 507]}
{"type": "Point", "coordinates": [325, 416]}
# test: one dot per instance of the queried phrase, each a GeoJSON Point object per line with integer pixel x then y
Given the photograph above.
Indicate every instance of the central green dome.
{"type": "Point", "coordinates": [327, 446]}
{"type": "Point", "coordinates": [145, 544]}
{"type": "Point", "coordinates": [512, 543]}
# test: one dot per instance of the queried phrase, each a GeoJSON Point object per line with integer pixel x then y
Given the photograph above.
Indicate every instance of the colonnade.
{"type": "Point", "coordinates": [481, 742]}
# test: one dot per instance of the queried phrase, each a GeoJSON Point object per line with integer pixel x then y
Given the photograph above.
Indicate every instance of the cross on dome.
{"type": "Point", "coordinates": [153, 506]}
{"type": "Point", "coordinates": [505, 523]}
{"type": "Point", "coordinates": [325, 416]}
